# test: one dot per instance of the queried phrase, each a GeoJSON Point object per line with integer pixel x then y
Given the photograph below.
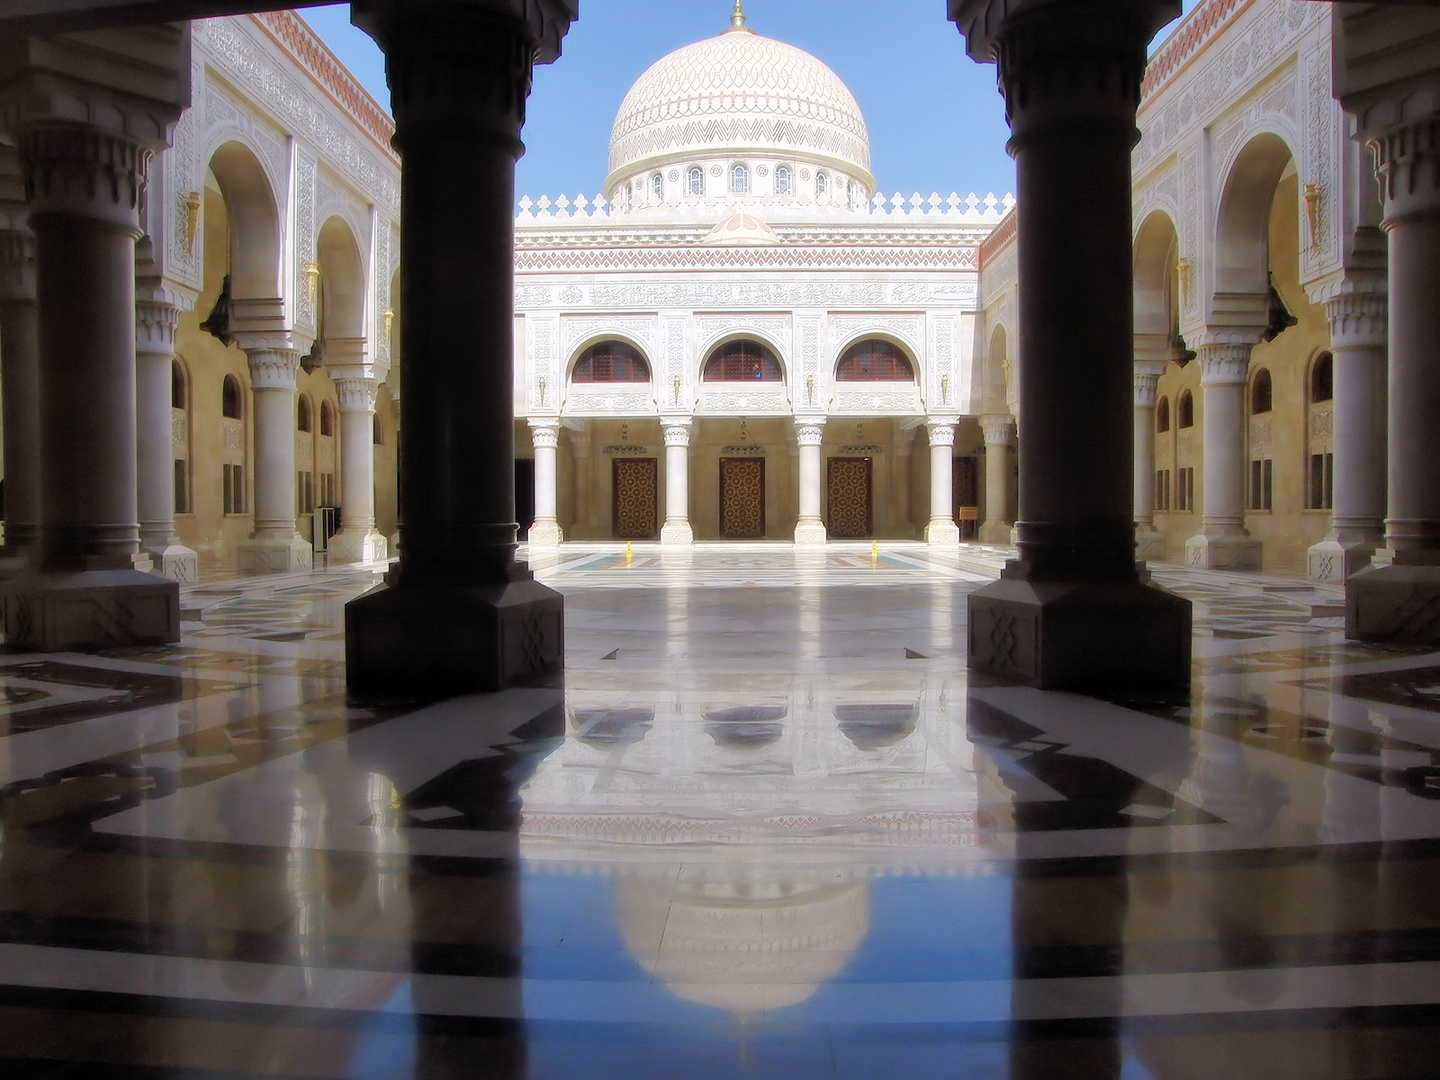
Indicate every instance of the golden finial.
{"type": "Point", "coordinates": [737, 21]}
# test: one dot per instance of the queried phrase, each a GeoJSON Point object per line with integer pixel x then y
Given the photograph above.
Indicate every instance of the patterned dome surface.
{"type": "Point", "coordinates": [739, 94]}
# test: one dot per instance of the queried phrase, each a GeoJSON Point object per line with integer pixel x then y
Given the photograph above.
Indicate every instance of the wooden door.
{"type": "Point", "coordinates": [850, 501]}
{"type": "Point", "coordinates": [636, 498]}
{"type": "Point", "coordinates": [742, 498]}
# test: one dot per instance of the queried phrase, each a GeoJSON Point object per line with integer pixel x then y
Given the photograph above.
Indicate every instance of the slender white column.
{"type": "Point", "coordinates": [999, 434]}
{"type": "Point", "coordinates": [809, 435]}
{"type": "Point", "coordinates": [275, 547]}
{"type": "Point", "coordinates": [1223, 542]}
{"type": "Point", "coordinates": [1357, 342]}
{"type": "Point", "coordinates": [357, 541]}
{"type": "Point", "coordinates": [19, 387]}
{"type": "Point", "coordinates": [545, 436]}
{"type": "Point", "coordinates": [155, 326]}
{"type": "Point", "coordinates": [676, 529]}
{"type": "Point", "coordinates": [1149, 544]}
{"type": "Point", "coordinates": [942, 529]}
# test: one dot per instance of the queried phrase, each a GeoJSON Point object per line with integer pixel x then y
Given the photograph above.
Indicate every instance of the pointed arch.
{"type": "Point", "coordinates": [1157, 255]}
{"type": "Point", "coordinates": [253, 210]}
{"type": "Point", "coordinates": [342, 281]}
{"type": "Point", "coordinates": [1242, 228]}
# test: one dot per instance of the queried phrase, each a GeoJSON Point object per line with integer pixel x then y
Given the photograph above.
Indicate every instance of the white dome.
{"type": "Point", "coordinates": [739, 94]}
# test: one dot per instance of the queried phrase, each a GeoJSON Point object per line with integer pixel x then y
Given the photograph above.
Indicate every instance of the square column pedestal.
{"type": "Point", "coordinates": [1083, 636]}
{"type": "Point", "coordinates": [57, 611]}
{"type": "Point", "coordinates": [445, 638]}
{"type": "Point", "coordinates": [1396, 603]}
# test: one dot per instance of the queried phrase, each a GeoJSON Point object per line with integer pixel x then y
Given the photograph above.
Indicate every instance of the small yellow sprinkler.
{"type": "Point", "coordinates": [629, 553]}
{"type": "Point", "coordinates": [875, 551]}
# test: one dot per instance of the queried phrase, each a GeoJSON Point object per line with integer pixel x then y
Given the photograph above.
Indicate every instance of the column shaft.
{"type": "Point", "coordinates": [1149, 544]}
{"type": "Point", "coordinates": [677, 529]}
{"type": "Point", "coordinates": [1223, 542]}
{"type": "Point", "coordinates": [942, 528]}
{"type": "Point", "coordinates": [275, 547]}
{"type": "Point", "coordinates": [357, 541]}
{"type": "Point", "coordinates": [20, 390]}
{"type": "Point", "coordinates": [545, 532]}
{"type": "Point", "coordinates": [156, 324]}
{"type": "Point", "coordinates": [810, 529]}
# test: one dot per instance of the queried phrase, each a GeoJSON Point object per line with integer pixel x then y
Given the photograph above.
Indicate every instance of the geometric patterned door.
{"type": "Point", "coordinates": [742, 498]}
{"type": "Point", "coordinates": [637, 499]}
{"type": "Point", "coordinates": [849, 492]}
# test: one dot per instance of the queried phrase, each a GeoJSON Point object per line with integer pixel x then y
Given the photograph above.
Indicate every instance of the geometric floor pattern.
{"type": "Point", "coordinates": [767, 825]}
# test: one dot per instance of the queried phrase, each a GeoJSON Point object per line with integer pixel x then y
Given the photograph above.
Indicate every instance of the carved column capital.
{"type": "Point", "coordinates": [1145, 384]}
{"type": "Point", "coordinates": [1357, 320]}
{"type": "Point", "coordinates": [357, 395]}
{"type": "Point", "coordinates": [272, 369]}
{"type": "Point", "coordinates": [1224, 362]}
{"type": "Point", "coordinates": [810, 433]}
{"type": "Point", "coordinates": [941, 433]}
{"type": "Point", "coordinates": [79, 169]}
{"type": "Point", "coordinates": [1407, 164]}
{"type": "Point", "coordinates": [677, 432]}
{"type": "Point", "coordinates": [544, 434]}
{"type": "Point", "coordinates": [998, 430]}
{"type": "Point", "coordinates": [155, 325]}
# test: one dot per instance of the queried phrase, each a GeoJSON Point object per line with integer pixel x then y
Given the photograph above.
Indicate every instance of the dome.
{"type": "Point", "coordinates": [739, 94]}
{"type": "Point", "coordinates": [742, 230]}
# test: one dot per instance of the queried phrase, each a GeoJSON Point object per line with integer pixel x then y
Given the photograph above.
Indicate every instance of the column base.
{"type": "Point", "coordinates": [357, 547]}
{"type": "Point", "coordinates": [544, 534]}
{"type": "Point", "coordinates": [677, 533]}
{"type": "Point", "coordinates": [1092, 637]}
{"type": "Point", "coordinates": [177, 562]}
{"type": "Point", "coordinates": [1338, 560]}
{"type": "Point", "coordinates": [1223, 552]}
{"type": "Point", "coordinates": [395, 544]}
{"type": "Point", "coordinates": [996, 533]}
{"type": "Point", "coordinates": [278, 556]}
{"type": "Point", "coordinates": [91, 609]}
{"type": "Point", "coordinates": [1149, 545]}
{"type": "Point", "coordinates": [1398, 603]}
{"type": "Point", "coordinates": [438, 639]}
{"type": "Point", "coordinates": [810, 532]}
{"type": "Point", "coordinates": [942, 532]}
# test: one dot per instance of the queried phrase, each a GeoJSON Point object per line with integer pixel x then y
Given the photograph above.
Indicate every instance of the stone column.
{"type": "Point", "coordinates": [458, 613]}
{"type": "Point", "coordinates": [1223, 542]}
{"type": "Point", "coordinates": [1149, 544]}
{"type": "Point", "coordinates": [357, 541]}
{"type": "Point", "coordinates": [999, 434]}
{"type": "Point", "coordinates": [155, 326]}
{"type": "Point", "coordinates": [545, 435]}
{"type": "Point", "coordinates": [942, 529]}
{"type": "Point", "coordinates": [1398, 598]}
{"type": "Point", "coordinates": [274, 547]}
{"type": "Point", "coordinates": [19, 386]}
{"type": "Point", "coordinates": [1357, 530]}
{"type": "Point", "coordinates": [809, 435]}
{"type": "Point", "coordinates": [86, 184]}
{"type": "Point", "coordinates": [676, 529]}
{"type": "Point", "coordinates": [1072, 612]}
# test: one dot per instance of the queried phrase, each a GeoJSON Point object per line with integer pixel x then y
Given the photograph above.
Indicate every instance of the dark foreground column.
{"type": "Point", "coordinates": [19, 363]}
{"type": "Point", "coordinates": [458, 613]}
{"type": "Point", "coordinates": [1072, 612]}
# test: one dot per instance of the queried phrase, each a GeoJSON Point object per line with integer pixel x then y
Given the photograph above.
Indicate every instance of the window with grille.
{"type": "Point", "coordinates": [822, 185]}
{"type": "Point", "coordinates": [1162, 489]}
{"type": "Point", "coordinates": [233, 488]}
{"type": "Point", "coordinates": [742, 361]}
{"type": "Point", "coordinates": [1185, 411]}
{"type": "Point", "coordinates": [1262, 393]}
{"type": "Point", "coordinates": [695, 180]}
{"type": "Point", "coordinates": [657, 187]}
{"type": "Point", "coordinates": [1322, 481]}
{"type": "Point", "coordinates": [1162, 415]}
{"type": "Point", "coordinates": [874, 361]}
{"type": "Point", "coordinates": [182, 486]}
{"type": "Point", "coordinates": [1185, 489]}
{"type": "Point", "coordinates": [232, 401]}
{"type": "Point", "coordinates": [304, 420]}
{"type": "Point", "coordinates": [784, 181]}
{"type": "Point", "coordinates": [327, 419]}
{"type": "Point", "coordinates": [739, 178]}
{"type": "Point", "coordinates": [611, 362]}
{"type": "Point", "coordinates": [1261, 485]}
{"type": "Point", "coordinates": [1322, 378]}
{"type": "Point", "coordinates": [179, 387]}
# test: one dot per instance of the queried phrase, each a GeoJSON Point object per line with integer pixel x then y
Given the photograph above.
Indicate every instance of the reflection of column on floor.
{"type": "Point", "coordinates": [155, 325]}
{"type": "Point", "coordinates": [86, 182]}
{"type": "Point", "coordinates": [585, 513]}
{"type": "Point", "coordinates": [942, 619]}
{"type": "Point", "coordinates": [809, 435]}
{"type": "Point", "coordinates": [545, 437]}
{"type": "Point", "coordinates": [1150, 356]}
{"type": "Point", "coordinates": [19, 362]}
{"type": "Point", "coordinates": [1223, 543]}
{"type": "Point", "coordinates": [942, 529]}
{"type": "Point", "coordinates": [1072, 612]}
{"type": "Point", "coordinates": [809, 572]}
{"type": "Point", "coordinates": [458, 612]}
{"type": "Point", "coordinates": [999, 434]}
{"type": "Point", "coordinates": [901, 466]}
{"type": "Point", "coordinates": [357, 388]}
{"type": "Point", "coordinates": [676, 529]}
{"type": "Point", "coordinates": [1357, 342]}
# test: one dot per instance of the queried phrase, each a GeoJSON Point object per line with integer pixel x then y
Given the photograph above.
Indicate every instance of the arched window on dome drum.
{"type": "Point", "coordinates": [1162, 415]}
{"type": "Point", "coordinates": [611, 362]}
{"type": "Point", "coordinates": [305, 414]}
{"type": "Point", "coordinates": [1261, 393]}
{"type": "Point", "coordinates": [874, 361]}
{"type": "Point", "coordinates": [784, 181]}
{"type": "Point", "coordinates": [1322, 379]}
{"type": "Point", "coordinates": [232, 405]}
{"type": "Point", "coordinates": [739, 178]}
{"type": "Point", "coordinates": [822, 185]}
{"type": "Point", "coordinates": [1185, 411]}
{"type": "Point", "coordinates": [742, 361]}
{"type": "Point", "coordinates": [657, 187]}
{"type": "Point", "coordinates": [695, 180]}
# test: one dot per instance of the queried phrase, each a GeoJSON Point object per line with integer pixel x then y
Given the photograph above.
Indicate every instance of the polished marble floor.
{"type": "Point", "coordinates": [767, 826]}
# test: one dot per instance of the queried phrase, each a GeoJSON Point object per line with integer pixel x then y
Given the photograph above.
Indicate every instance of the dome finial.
{"type": "Point", "coordinates": [737, 21]}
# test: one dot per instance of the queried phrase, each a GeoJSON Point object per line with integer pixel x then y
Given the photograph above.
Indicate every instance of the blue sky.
{"type": "Point", "coordinates": [936, 120]}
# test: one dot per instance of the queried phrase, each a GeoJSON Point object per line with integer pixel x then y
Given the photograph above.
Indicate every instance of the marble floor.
{"type": "Point", "coordinates": [766, 826]}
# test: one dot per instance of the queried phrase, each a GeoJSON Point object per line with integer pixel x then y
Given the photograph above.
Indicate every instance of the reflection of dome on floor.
{"type": "Point", "coordinates": [747, 944]}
